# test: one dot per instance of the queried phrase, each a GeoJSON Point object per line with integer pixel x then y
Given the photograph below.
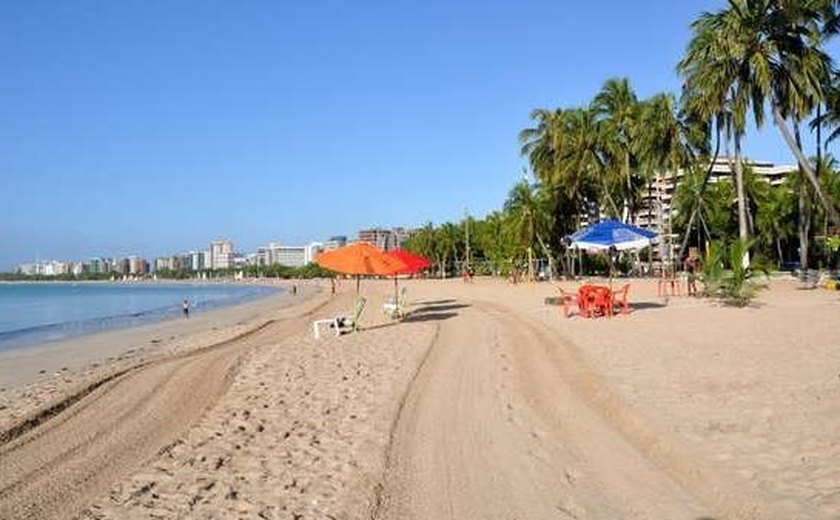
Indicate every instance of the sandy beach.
{"type": "Point", "coordinates": [484, 402]}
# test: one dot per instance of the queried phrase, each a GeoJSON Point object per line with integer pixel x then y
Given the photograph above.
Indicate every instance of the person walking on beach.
{"type": "Point", "coordinates": [186, 307]}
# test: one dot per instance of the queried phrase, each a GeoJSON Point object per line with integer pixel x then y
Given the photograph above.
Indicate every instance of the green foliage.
{"type": "Point", "coordinates": [728, 275]}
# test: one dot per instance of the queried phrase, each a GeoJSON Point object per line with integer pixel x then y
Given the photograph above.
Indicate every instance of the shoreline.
{"type": "Point", "coordinates": [128, 321]}
{"type": "Point", "coordinates": [32, 363]}
{"type": "Point", "coordinates": [684, 408]}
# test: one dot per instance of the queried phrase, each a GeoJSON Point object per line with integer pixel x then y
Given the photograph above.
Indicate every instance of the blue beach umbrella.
{"type": "Point", "coordinates": [611, 234]}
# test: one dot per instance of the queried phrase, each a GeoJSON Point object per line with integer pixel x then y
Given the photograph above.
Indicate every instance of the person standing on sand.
{"type": "Point", "coordinates": [186, 307]}
{"type": "Point", "coordinates": [691, 266]}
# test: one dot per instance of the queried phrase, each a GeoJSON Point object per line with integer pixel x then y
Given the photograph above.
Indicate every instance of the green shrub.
{"type": "Point", "coordinates": [728, 277]}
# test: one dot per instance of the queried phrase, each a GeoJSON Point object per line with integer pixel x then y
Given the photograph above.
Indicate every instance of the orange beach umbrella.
{"type": "Point", "coordinates": [360, 259]}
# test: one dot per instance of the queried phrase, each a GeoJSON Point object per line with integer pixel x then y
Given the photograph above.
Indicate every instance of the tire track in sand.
{"type": "Point", "coordinates": [53, 468]}
{"type": "Point", "coordinates": [504, 421]}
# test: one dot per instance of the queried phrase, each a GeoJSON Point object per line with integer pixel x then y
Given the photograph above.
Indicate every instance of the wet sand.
{"type": "Point", "coordinates": [483, 403]}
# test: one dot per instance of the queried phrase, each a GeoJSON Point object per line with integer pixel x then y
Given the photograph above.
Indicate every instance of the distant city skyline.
{"type": "Point", "coordinates": [142, 128]}
{"type": "Point", "coordinates": [217, 254]}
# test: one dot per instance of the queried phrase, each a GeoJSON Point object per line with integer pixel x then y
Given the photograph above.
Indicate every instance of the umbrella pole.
{"type": "Point", "coordinates": [396, 290]}
{"type": "Point", "coordinates": [358, 282]}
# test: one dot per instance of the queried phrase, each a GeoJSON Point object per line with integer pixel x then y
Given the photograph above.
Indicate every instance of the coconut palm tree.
{"type": "Point", "coordinates": [714, 87]}
{"type": "Point", "coordinates": [617, 108]}
{"type": "Point", "coordinates": [778, 47]}
{"type": "Point", "coordinates": [776, 218]}
{"type": "Point", "coordinates": [543, 143]}
{"type": "Point", "coordinates": [527, 208]}
{"type": "Point", "coordinates": [667, 142]}
{"type": "Point", "coordinates": [564, 150]}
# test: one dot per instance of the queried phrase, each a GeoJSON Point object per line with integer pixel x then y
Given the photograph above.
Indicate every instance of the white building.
{"type": "Point", "coordinates": [656, 211]}
{"type": "Point", "coordinates": [220, 255]}
{"type": "Point", "coordinates": [54, 268]}
{"type": "Point", "coordinates": [312, 251]}
{"type": "Point", "coordinates": [198, 260]}
{"type": "Point", "coordinates": [291, 256]}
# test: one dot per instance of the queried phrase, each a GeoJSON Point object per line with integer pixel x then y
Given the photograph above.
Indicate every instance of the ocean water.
{"type": "Point", "coordinates": [32, 313]}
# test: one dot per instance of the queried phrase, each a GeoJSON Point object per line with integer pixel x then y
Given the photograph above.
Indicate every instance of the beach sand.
{"type": "Point", "coordinates": [483, 403]}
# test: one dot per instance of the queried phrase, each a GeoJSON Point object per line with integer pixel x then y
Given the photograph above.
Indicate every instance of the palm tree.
{"type": "Point", "coordinates": [493, 238]}
{"type": "Point", "coordinates": [708, 206]}
{"type": "Point", "coordinates": [776, 218]}
{"type": "Point", "coordinates": [618, 109]}
{"type": "Point", "coordinates": [777, 46]}
{"type": "Point", "coordinates": [527, 209]}
{"type": "Point", "coordinates": [668, 141]}
{"type": "Point", "coordinates": [564, 150]}
{"type": "Point", "coordinates": [715, 86]}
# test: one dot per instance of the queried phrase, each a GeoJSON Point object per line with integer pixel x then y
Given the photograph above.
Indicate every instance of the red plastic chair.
{"type": "Point", "coordinates": [567, 298]}
{"type": "Point", "coordinates": [619, 298]}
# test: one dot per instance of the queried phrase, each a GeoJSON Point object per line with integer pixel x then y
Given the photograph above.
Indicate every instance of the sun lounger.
{"type": "Point", "coordinates": [341, 323]}
{"type": "Point", "coordinates": [396, 309]}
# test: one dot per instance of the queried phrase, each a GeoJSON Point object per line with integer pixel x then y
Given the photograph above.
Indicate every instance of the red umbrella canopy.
{"type": "Point", "coordinates": [361, 258]}
{"type": "Point", "coordinates": [412, 261]}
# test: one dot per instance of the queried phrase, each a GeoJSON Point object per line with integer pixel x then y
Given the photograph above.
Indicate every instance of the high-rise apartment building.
{"type": "Point", "coordinates": [385, 239]}
{"type": "Point", "coordinates": [220, 254]}
{"type": "Point", "coordinates": [656, 210]}
{"type": "Point", "coordinates": [198, 260]}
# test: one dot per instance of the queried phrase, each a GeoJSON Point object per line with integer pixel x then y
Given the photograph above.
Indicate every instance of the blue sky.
{"type": "Point", "coordinates": [153, 127]}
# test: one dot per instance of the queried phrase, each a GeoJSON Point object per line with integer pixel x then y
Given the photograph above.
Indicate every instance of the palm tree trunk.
{"type": "Point", "coordinates": [650, 223]}
{"type": "Point", "coordinates": [629, 216]}
{"type": "Point", "coordinates": [743, 233]}
{"type": "Point", "coordinates": [609, 199]}
{"type": "Point", "coordinates": [548, 255]}
{"type": "Point", "coordinates": [530, 264]}
{"type": "Point", "coordinates": [808, 170]}
{"type": "Point", "coordinates": [804, 224]}
{"type": "Point", "coordinates": [700, 195]}
{"type": "Point", "coordinates": [779, 251]}
{"type": "Point", "coordinates": [684, 243]}
{"type": "Point", "coordinates": [819, 134]}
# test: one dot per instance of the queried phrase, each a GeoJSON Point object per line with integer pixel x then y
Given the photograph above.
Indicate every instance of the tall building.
{"type": "Point", "coordinates": [198, 260]}
{"type": "Point", "coordinates": [136, 265]}
{"type": "Point", "coordinates": [276, 254]}
{"type": "Point", "coordinates": [100, 265]}
{"type": "Point", "coordinates": [385, 239]}
{"type": "Point", "coordinates": [29, 269]}
{"type": "Point", "coordinates": [220, 254]}
{"type": "Point", "coordinates": [656, 210]}
{"type": "Point", "coordinates": [164, 263]}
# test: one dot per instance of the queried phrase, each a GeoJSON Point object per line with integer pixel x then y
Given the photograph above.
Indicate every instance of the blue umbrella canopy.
{"type": "Point", "coordinates": [612, 234]}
